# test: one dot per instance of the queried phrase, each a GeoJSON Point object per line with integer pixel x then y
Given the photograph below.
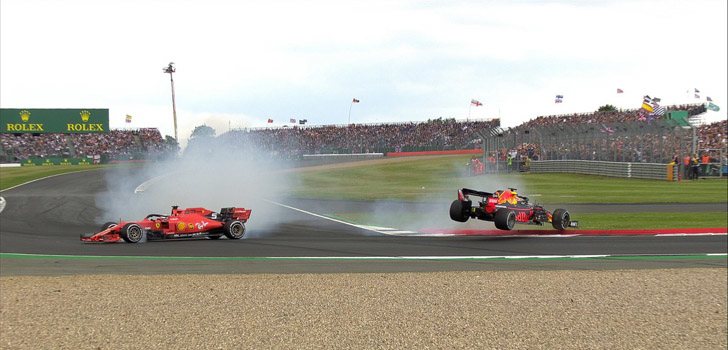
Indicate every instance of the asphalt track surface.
{"type": "Point", "coordinates": [46, 217]}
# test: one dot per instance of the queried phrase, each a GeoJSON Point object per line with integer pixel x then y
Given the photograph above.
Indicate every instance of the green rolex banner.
{"type": "Point", "coordinates": [40, 121]}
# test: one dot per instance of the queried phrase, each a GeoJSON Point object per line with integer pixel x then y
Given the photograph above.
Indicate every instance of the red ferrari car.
{"type": "Point", "coordinates": [505, 209]}
{"type": "Point", "coordinates": [181, 223]}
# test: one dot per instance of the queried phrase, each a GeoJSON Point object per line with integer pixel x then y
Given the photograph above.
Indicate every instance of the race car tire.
{"type": "Point", "coordinates": [456, 212]}
{"type": "Point", "coordinates": [560, 219]}
{"type": "Point", "coordinates": [108, 225]}
{"type": "Point", "coordinates": [132, 233]}
{"type": "Point", "coordinates": [505, 219]}
{"type": "Point", "coordinates": [234, 229]}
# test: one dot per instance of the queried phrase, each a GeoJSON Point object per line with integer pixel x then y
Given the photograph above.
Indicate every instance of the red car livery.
{"type": "Point", "coordinates": [181, 223]}
{"type": "Point", "coordinates": [506, 208]}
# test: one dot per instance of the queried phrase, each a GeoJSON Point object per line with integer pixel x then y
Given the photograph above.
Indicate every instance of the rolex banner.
{"type": "Point", "coordinates": [39, 121]}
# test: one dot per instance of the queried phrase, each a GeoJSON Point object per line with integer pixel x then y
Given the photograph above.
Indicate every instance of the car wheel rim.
{"type": "Point", "coordinates": [237, 230]}
{"type": "Point", "coordinates": [135, 233]}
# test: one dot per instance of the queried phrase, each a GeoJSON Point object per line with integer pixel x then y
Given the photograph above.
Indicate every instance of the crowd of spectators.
{"type": "Point", "coordinates": [113, 145]}
{"type": "Point", "coordinates": [434, 134]}
{"type": "Point", "coordinates": [621, 136]}
{"type": "Point", "coordinates": [626, 115]}
{"type": "Point", "coordinates": [605, 136]}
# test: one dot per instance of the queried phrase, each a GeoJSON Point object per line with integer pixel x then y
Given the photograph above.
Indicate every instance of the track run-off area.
{"type": "Point", "coordinates": [42, 220]}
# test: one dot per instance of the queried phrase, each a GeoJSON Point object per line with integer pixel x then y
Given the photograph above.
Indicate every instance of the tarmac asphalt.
{"type": "Point", "coordinates": [44, 219]}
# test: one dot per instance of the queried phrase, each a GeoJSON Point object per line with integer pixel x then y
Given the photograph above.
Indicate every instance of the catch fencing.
{"type": "Point", "coordinates": [657, 141]}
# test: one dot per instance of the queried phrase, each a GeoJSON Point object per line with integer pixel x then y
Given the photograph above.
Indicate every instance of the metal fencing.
{"type": "Point", "coordinates": [657, 141]}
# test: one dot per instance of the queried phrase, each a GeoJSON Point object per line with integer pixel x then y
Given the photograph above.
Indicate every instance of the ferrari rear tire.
{"type": "Point", "coordinates": [234, 229]}
{"type": "Point", "coordinates": [108, 225]}
{"type": "Point", "coordinates": [505, 219]}
{"type": "Point", "coordinates": [560, 219]}
{"type": "Point", "coordinates": [456, 212]}
{"type": "Point", "coordinates": [132, 233]}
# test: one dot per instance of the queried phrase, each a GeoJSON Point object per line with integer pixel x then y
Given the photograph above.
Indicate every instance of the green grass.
{"type": "Point", "coordinates": [10, 177]}
{"type": "Point", "coordinates": [434, 178]}
{"type": "Point", "coordinates": [437, 179]}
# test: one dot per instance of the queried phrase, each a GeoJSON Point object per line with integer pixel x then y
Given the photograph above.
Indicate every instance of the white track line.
{"type": "Point", "coordinates": [363, 227]}
{"type": "Point", "coordinates": [46, 177]}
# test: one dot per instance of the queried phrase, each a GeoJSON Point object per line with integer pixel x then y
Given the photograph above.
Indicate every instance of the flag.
{"type": "Point", "coordinates": [656, 99]}
{"type": "Point", "coordinates": [293, 120]}
{"type": "Point", "coordinates": [619, 91]}
{"type": "Point", "coordinates": [648, 104]}
{"type": "Point", "coordinates": [559, 99]}
{"type": "Point", "coordinates": [713, 107]}
{"type": "Point", "coordinates": [270, 121]}
{"type": "Point", "coordinates": [707, 98]}
{"type": "Point", "coordinates": [697, 96]}
{"type": "Point", "coordinates": [354, 101]}
{"type": "Point", "coordinates": [659, 110]}
{"type": "Point", "coordinates": [697, 91]}
{"type": "Point", "coordinates": [476, 103]}
{"type": "Point", "coordinates": [302, 121]}
{"type": "Point", "coordinates": [128, 118]}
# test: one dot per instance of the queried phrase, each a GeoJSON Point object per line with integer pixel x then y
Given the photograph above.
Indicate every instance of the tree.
{"type": "Point", "coordinates": [202, 131]}
{"type": "Point", "coordinates": [607, 108]}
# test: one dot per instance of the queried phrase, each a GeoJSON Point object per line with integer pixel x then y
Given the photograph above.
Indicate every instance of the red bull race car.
{"type": "Point", "coordinates": [181, 223]}
{"type": "Point", "coordinates": [506, 208]}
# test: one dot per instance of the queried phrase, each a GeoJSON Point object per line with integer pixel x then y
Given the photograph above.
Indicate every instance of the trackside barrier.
{"type": "Point", "coordinates": [655, 171]}
{"type": "Point", "coordinates": [320, 159]}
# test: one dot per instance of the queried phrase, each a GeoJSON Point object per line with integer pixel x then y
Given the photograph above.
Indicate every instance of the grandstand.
{"type": "Point", "coordinates": [616, 136]}
{"type": "Point", "coordinates": [115, 145]}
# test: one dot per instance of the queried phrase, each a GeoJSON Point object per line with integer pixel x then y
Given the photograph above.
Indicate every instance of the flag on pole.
{"type": "Point", "coordinates": [128, 118]}
{"type": "Point", "coordinates": [697, 96]}
{"type": "Point", "coordinates": [697, 91]}
{"type": "Point", "coordinates": [476, 103]}
{"type": "Point", "coordinates": [707, 98]}
{"type": "Point", "coordinates": [659, 110]}
{"type": "Point", "coordinates": [648, 104]}
{"type": "Point", "coordinates": [619, 91]}
{"type": "Point", "coordinates": [270, 121]}
{"type": "Point", "coordinates": [302, 121]}
{"type": "Point", "coordinates": [292, 120]}
{"type": "Point", "coordinates": [355, 101]}
{"type": "Point", "coordinates": [656, 99]}
{"type": "Point", "coordinates": [559, 99]}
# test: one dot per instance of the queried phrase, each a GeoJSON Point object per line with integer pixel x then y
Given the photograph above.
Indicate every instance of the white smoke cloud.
{"type": "Point", "coordinates": [217, 173]}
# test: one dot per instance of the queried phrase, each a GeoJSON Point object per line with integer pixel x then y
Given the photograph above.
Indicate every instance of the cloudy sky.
{"type": "Point", "coordinates": [242, 62]}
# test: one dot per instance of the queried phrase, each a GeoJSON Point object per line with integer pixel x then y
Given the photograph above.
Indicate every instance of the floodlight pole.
{"type": "Point", "coordinates": [170, 69]}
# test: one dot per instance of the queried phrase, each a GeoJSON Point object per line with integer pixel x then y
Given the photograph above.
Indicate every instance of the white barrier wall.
{"type": "Point", "coordinates": [616, 169]}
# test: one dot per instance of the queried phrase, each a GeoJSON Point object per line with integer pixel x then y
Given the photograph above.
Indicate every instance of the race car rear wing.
{"type": "Point", "coordinates": [465, 192]}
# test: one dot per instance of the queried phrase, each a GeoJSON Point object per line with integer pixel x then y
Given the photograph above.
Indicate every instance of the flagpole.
{"type": "Point", "coordinates": [350, 105]}
{"type": "Point", "coordinates": [469, 109]}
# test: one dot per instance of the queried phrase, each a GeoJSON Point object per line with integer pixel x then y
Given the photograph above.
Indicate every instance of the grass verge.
{"type": "Point", "coordinates": [10, 177]}
{"type": "Point", "coordinates": [437, 177]}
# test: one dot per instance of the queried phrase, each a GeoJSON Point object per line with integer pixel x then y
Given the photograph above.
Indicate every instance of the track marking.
{"type": "Point", "coordinates": [45, 177]}
{"type": "Point", "coordinates": [363, 227]}
{"type": "Point", "coordinates": [396, 258]}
